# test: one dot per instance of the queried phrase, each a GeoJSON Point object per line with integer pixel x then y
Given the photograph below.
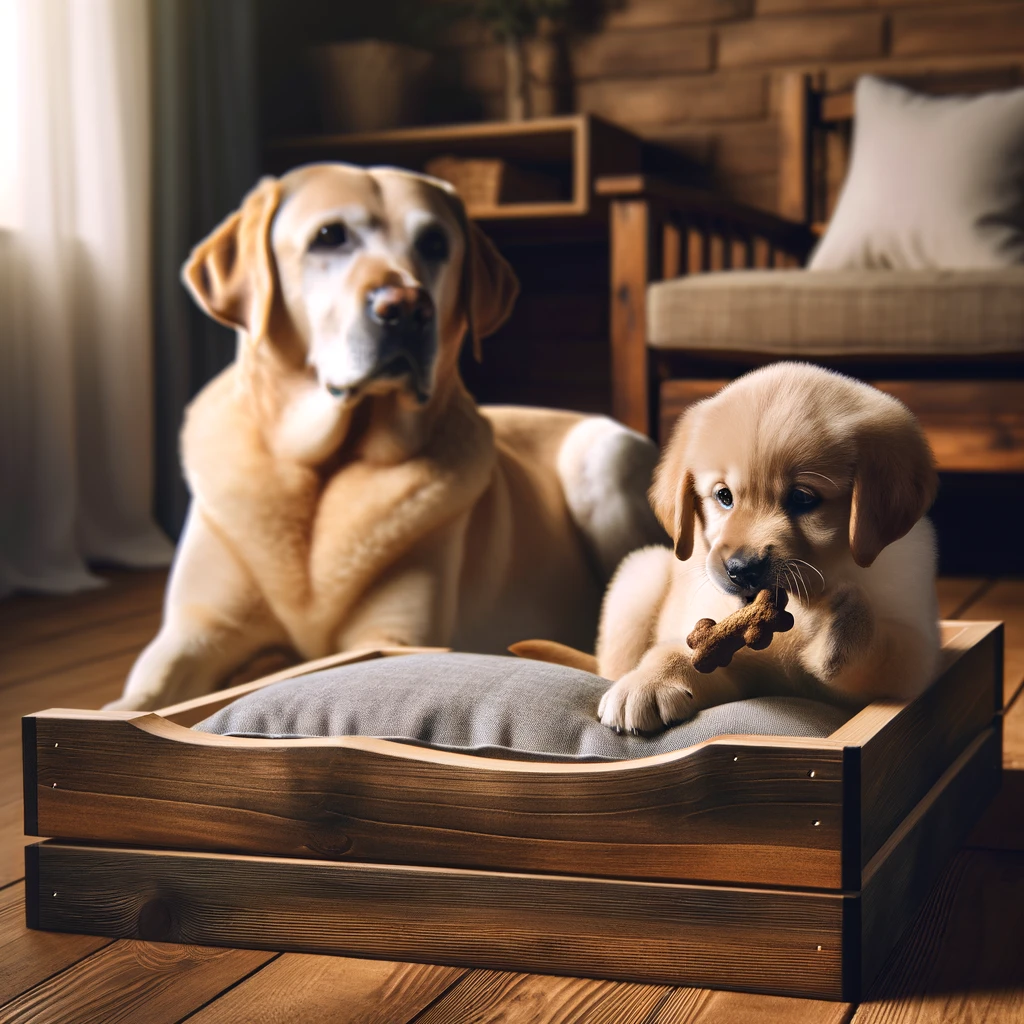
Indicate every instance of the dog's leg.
{"type": "Point", "coordinates": [859, 655]}
{"type": "Point", "coordinates": [629, 615]}
{"type": "Point", "coordinates": [215, 620]}
{"type": "Point", "coordinates": [415, 603]}
{"type": "Point", "coordinates": [665, 689]}
{"type": "Point", "coordinates": [606, 471]}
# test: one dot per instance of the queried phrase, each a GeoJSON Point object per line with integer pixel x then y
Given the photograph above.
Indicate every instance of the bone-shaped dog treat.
{"type": "Point", "coordinates": [752, 626]}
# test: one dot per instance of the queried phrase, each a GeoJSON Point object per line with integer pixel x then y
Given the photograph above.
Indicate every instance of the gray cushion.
{"type": "Point", "coordinates": [495, 706]}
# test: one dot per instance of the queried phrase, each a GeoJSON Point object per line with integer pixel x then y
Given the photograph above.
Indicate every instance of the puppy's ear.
{"type": "Point", "coordinates": [231, 272]}
{"type": "Point", "coordinates": [894, 485]}
{"type": "Point", "coordinates": [673, 493]}
{"type": "Point", "coordinates": [489, 287]}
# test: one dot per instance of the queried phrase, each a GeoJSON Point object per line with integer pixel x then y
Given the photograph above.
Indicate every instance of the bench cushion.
{"type": "Point", "coordinates": [959, 313]}
{"type": "Point", "coordinates": [491, 705]}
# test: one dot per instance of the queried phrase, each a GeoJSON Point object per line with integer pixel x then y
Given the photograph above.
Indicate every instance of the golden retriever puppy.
{"type": "Point", "coordinates": [346, 490]}
{"type": "Point", "coordinates": [790, 477]}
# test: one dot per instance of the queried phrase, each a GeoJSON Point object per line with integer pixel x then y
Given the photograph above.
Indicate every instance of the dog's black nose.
{"type": "Point", "coordinates": [394, 306]}
{"type": "Point", "coordinates": [748, 573]}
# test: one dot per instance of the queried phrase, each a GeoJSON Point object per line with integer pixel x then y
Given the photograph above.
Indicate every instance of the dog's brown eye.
{"type": "Point", "coordinates": [432, 245]}
{"type": "Point", "coordinates": [330, 236]}
{"type": "Point", "coordinates": [801, 499]}
{"type": "Point", "coordinates": [724, 497]}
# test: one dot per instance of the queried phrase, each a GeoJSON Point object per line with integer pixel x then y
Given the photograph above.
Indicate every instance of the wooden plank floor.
{"type": "Point", "coordinates": [963, 960]}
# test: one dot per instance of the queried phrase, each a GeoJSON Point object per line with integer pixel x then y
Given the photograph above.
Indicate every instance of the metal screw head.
{"type": "Point", "coordinates": [736, 758]}
{"type": "Point", "coordinates": [810, 774]}
{"type": "Point", "coordinates": [816, 823]}
{"type": "Point", "coordinates": [55, 785]}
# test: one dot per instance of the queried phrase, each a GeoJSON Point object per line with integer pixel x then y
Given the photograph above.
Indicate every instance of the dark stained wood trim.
{"type": "Point", "coordinates": [684, 201]}
{"type": "Point", "coordinates": [29, 774]}
{"type": "Point", "coordinates": [901, 874]}
{"type": "Point", "coordinates": [32, 886]}
{"type": "Point", "coordinates": [633, 262]}
{"type": "Point", "coordinates": [754, 939]}
{"type": "Point", "coordinates": [139, 779]}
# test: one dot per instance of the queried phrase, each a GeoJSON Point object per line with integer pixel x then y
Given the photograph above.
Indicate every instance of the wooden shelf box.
{"type": "Point", "coordinates": [570, 151]}
{"type": "Point", "coordinates": [768, 864]}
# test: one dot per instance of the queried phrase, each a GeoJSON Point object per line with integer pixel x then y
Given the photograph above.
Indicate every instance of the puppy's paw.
{"type": "Point", "coordinates": [845, 636]}
{"type": "Point", "coordinates": [640, 703]}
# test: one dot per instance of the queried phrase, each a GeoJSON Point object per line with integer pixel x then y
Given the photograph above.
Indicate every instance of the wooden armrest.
{"type": "Point", "coordinates": [788, 235]}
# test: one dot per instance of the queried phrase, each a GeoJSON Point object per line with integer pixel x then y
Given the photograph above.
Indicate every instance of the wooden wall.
{"type": "Point", "coordinates": [697, 75]}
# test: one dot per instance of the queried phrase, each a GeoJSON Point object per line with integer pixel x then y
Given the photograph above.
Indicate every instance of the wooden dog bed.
{"type": "Point", "coordinates": [769, 864]}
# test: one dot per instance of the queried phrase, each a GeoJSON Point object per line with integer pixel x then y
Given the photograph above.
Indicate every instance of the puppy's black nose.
{"type": "Point", "coordinates": [748, 573]}
{"type": "Point", "coordinates": [394, 306]}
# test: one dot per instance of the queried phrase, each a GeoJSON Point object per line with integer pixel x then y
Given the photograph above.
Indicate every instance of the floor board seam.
{"type": "Point", "coordinates": [441, 995]}
{"type": "Point", "coordinates": [10, 684]}
{"type": "Point", "coordinates": [233, 985]}
{"type": "Point", "coordinates": [973, 597]}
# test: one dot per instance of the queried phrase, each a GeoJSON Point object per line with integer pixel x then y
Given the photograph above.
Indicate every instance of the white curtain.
{"type": "Point", "coordinates": [76, 389]}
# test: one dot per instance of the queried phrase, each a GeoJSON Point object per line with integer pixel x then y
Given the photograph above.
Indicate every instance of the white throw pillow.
{"type": "Point", "coordinates": [933, 182]}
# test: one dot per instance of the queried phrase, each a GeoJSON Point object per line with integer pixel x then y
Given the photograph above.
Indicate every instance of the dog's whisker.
{"type": "Point", "coordinates": [814, 568]}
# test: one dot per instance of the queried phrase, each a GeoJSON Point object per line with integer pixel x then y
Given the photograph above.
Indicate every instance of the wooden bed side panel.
{"type": "Point", "coordinates": [900, 762]}
{"type": "Point", "coordinates": [733, 811]}
{"type": "Point", "coordinates": [755, 939]}
{"type": "Point", "coordinates": [900, 876]}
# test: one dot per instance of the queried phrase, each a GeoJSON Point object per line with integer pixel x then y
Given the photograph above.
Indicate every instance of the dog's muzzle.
{"type": "Point", "coordinates": [400, 328]}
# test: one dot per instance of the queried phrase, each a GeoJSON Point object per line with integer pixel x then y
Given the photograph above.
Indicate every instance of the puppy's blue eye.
{"type": "Point", "coordinates": [330, 236]}
{"type": "Point", "coordinates": [724, 497]}
{"type": "Point", "coordinates": [802, 499]}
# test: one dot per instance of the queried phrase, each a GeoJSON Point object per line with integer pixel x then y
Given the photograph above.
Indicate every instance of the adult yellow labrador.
{"type": "Point", "coordinates": [347, 491]}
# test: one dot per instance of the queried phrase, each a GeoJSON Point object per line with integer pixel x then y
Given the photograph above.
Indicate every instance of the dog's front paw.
{"type": "Point", "coordinates": [642, 703]}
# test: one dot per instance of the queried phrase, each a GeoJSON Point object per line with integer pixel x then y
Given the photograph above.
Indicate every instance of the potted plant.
{"type": "Point", "coordinates": [514, 22]}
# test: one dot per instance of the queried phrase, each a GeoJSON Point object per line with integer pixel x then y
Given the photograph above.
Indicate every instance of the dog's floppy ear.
{"type": "Point", "coordinates": [673, 493]}
{"type": "Point", "coordinates": [489, 286]}
{"type": "Point", "coordinates": [231, 272]}
{"type": "Point", "coordinates": [894, 485]}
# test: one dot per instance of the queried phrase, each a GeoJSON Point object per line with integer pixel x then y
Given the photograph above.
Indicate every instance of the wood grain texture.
{"type": "Point", "coordinates": [140, 982]}
{"type": "Point", "coordinates": [716, 212]}
{"type": "Point", "coordinates": [30, 957]}
{"type": "Point", "coordinates": [1002, 825]}
{"type": "Point", "coordinates": [972, 426]}
{"type": "Point", "coordinates": [899, 877]}
{"type": "Point", "coordinates": [1005, 600]}
{"type": "Point", "coordinates": [968, 28]}
{"type": "Point", "coordinates": [847, 36]}
{"type": "Point", "coordinates": [671, 816]}
{"type": "Point", "coordinates": [960, 961]}
{"type": "Point", "coordinates": [760, 939]}
{"type": "Point", "coordinates": [707, 1006]}
{"type": "Point", "coordinates": [304, 989]}
{"type": "Point", "coordinates": [903, 758]}
{"type": "Point", "coordinates": [794, 147]}
{"type": "Point", "coordinates": [633, 266]}
{"type": "Point", "coordinates": [672, 50]}
{"type": "Point", "coordinates": [668, 99]}
{"type": "Point", "coordinates": [498, 997]}
{"type": "Point", "coordinates": [958, 593]}
{"type": "Point", "coordinates": [647, 13]}
{"type": "Point", "coordinates": [28, 618]}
